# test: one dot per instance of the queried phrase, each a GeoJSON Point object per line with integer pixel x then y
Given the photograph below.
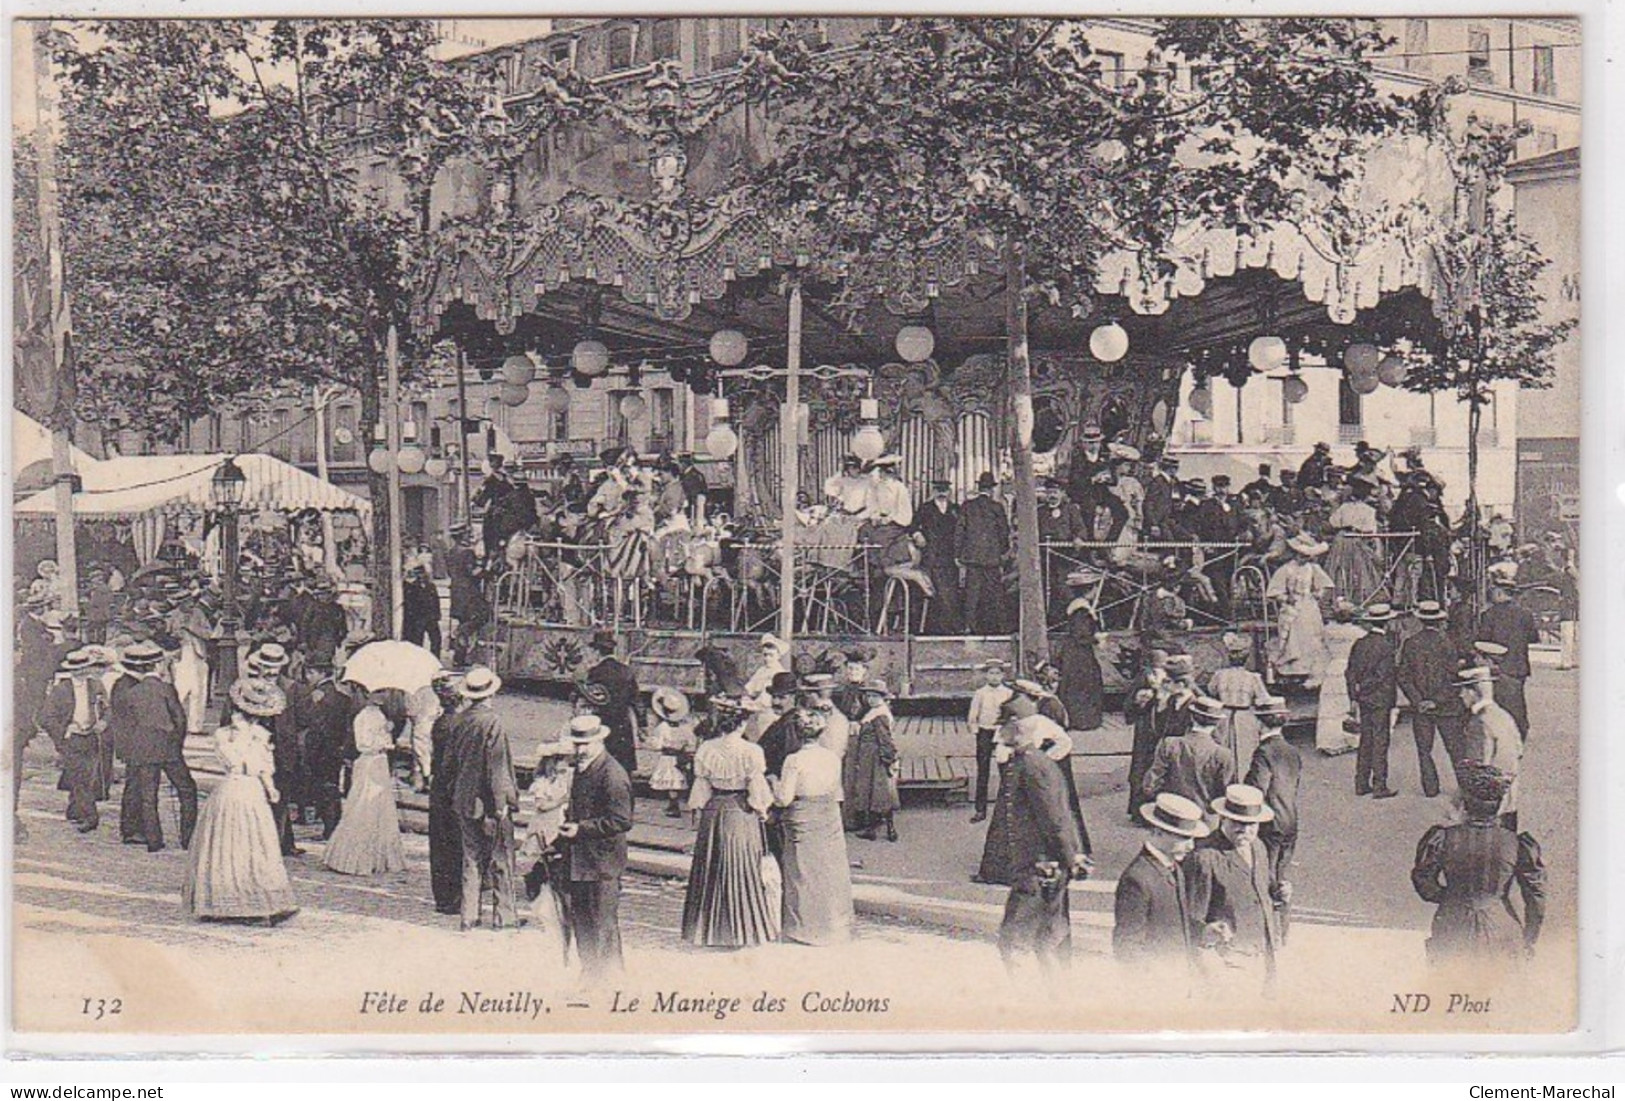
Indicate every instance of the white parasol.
{"type": "Point", "coordinates": [391, 664]}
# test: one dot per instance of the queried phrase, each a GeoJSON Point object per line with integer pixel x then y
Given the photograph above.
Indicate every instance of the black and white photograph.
{"type": "Point", "coordinates": [843, 525]}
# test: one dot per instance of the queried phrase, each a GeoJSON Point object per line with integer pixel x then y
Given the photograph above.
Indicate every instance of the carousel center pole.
{"type": "Point", "coordinates": [790, 469]}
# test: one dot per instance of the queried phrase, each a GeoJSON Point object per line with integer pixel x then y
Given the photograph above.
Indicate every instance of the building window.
{"type": "Point", "coordinates": [1545, 141]}
{"type": "Point", "coordinates": [663, 39]}
{"type": "Point", "coordinates": [620, 49]}
{"type": "Point", "coordinates": [216, 430]}
{"type": "Point", "coordinates": [561, 424]}
{"type": "Point", "coordinates": [1545, 74]}
{"type": "Point", "coordinates": [560, 54]}
{"type": "Point", "coordinates": [662, 419]}
{"type": "Point", "coordinates": [1349, 411]}
{"type": "Point", "coordinates": [726, 50]}
{"type": "Point", "coordinates": [1478, 55]}
{"type": "Point", "coordinates": [1416, 46]}
{"type": "Point", "coordinates": [619, 428]}
{"type": "Point", "coordinates": [1111, 69]}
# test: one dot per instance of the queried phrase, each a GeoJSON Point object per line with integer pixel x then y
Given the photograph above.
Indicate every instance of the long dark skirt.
{"type": "Point", "coordinates": [445, 850]}
{"type": "Point", "coordinates": [996, 849]}
{"type": "Point", "coordinates": [817, 876]}
{"type": "Point", "coordinates": [1082, 689]}
{"type": "Point", "coordinates": [727, 904]}
{"type": "Point", "coordinates": [1075, 804]}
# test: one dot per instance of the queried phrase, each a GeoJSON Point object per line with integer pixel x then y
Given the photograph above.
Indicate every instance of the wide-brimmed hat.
{"type": "Point", "coordinates": [586, 729]}
{"type": "Point", "coordinates": [726, 705]}
{"type": "Point", "coordinates": [1429, 611]}
{"type": "Point", "coordinates": [270, 658]}
{"type": "Point", "coordinates": [479, 683]}
{"type": "Point", "coordinates": [670, 704]}
{"type": "Point", "coordinates": [782, 684]}
{"type": "Point", "coordinates": [258, 697]}
{"type": "Point", "coordinates": [1377, 613]}
{"type": "Point", "coordinates": [1243, 803]}
{"type": "Point", "coordinates": [876, 686]}
{"type": "Point", "coordinates": [141, 655]}
{"type": "Point", "coordinates": [1206, 709]}
{"type": "Point", "coordinates": [1474, 676]}
{"type": "Point", "coordinates": [1494, 651]}
{"type": "Point", "coordinates": [1175, 814]}
{"type": "Point", "coordinates": [1307, 545]}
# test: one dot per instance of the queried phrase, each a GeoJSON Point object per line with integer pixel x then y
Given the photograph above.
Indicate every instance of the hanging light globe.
{"type": "Point", "coordinates": [868, 443]}
{"type": "Point", "coordinates": [722, 441]}
{"type": "Point", "coordinates": [380, 461]}
{"type": "Point", "coordinates": [1294, 389]}
{"type": "Point", "coordinates": [729, 347]}
{"type": "Point", "coordinates": [1364, 383]}
{"type": "Point", "coordinates": [1109, 343]}
{"type": "Point", "coordinates": [1202, 401]}
{"type": "Point", "coordinates": [411, 459]}
{"type": "Point", "coordinates": [436, 467]}
{"type": "Point", "coordinates": [915, 343]}
{"type": "Point", "coordinates": [558, 399]}
{"type": "Point", "coordinates": [634, 408]}
{"type": "Point", "coordinates": [590, 358]}
{"type": "Point", "coordinates": [1393, 370]}
{"type": "Point", "coordinates": [1267, 353]}
{"type": "Point", "coordinates": [512, 395]}
{"type": "Point", "coordinates": [518, 370]}
{"type": "Point", "coordinates": [1362, 359]}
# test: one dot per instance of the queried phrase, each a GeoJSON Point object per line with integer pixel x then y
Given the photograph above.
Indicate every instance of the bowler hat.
{"type": "Point", "coordinates": [1243, 803]}
{"type": "Point", "coordinates": [985, 480]}
{"type": "Point", "coordinates": [782, 684]}
{"type": "Point", "coordinates": [1175, 814]}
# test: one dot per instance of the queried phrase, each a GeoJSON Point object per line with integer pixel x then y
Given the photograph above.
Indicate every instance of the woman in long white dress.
{"type": "Point", "coordinates": [817, 875]}
{"type": "Point", "coordinates": [1355, 563]}
{"type": "Point", "coordinates": [368, 838]}
{"type": "Point", "coordinates": [1297, 588]}
{"type": "Point", "coordinates": [234, 868]}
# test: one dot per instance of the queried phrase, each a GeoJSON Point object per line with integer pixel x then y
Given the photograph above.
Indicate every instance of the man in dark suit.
{"type": "Point", "coordinates": [1276, 770]}
{"type": "Point", "coordinates": [1373, 687]}
{"type": "Point", "coordinates": [1152, 923]}
{"type": "Point", "coordinates": [1090, 476]}
{"type": "Point", "coordinates": [982, 540]}
{"type": "Point", "coordinates": [325, 713]}
{"type": "Point", "coordinates": [1312, 474]}
{"type": "Point", "coordinates": [1426, 672]}
{"type": "Point", "coordinates": [1046, 852]}
{"type": "Point", "coordinates": [1193, 764]}
{"type": "Point", "coordinates": [1161, 489]}
{"type": "Point", "coordinates": [1217, 519]}
{"type": "Point", "coordinates": [484, 796]}
{"type": "Point", "coordinates": [594, 843]}
{"type": "Point", "coordinates": [938, 521]}
{"type": "Point", "coordinates": [149, 731]}
{"type": "Point", "coordinates": [1508, 623]}
{"type": "Point", "coordinates": [620, 711]}
{"type": "Point", "coordinates": [325, 626]}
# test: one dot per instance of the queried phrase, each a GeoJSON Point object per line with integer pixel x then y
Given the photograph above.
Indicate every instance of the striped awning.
{"type": "Point", "coordinates": [134, 485]}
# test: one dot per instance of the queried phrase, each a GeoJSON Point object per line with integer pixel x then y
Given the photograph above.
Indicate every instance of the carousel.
{"type": "Point", "coordinates": [677, 273]}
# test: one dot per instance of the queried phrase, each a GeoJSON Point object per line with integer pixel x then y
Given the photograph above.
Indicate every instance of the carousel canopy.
{"type": "Point", "coordinates": [136, 485]}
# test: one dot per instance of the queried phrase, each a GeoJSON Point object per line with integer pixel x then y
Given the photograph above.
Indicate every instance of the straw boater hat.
{"type": "Point", "coordinates": [1271, 705]}
{"type": "Point", "coordinates": [480, 683]}
{"type": "Point", "coordinates": [1474, 676]}
{"type": "Point", "coordinates": [1430, 611]}
{"type": "Point", "coordinates": [586, 729]}
{"type": "Point", "coordinates": [76, 661]}
{"type": "Point", "coordinates": [1307, 545]}
{"type": "Point", "coordinates": [993, 665]}
{"type": "Point", "coordinates": [1029, 688]}
{"type": "Point", "coordinates": [1175, 814]}
{"type": "Point", "coordinates": [670, 704]}
{"type": "Point", "coordinates": [270, 658]}
{"type": "Point", "coordinates": [105, 656]}
{"type": "Point", "coordinates": [1377, 613]}
{"type": "Point", "coordinates": [726, 705]}
{"type": "Point", "coordinates": [1494, 651]}
{"type": "Point", "coordinates": [1205, 710]}
{"type": "Point", "coordinates": [141, 656]}
{"type": "Point", "coordinates": [1243, 803]}
{"type": "Point", "coordinates": [1124, 451]}
{"type": "Point", "coordinates": [258, 697]}
{"type": "Point", "coordinates": [817, 682]}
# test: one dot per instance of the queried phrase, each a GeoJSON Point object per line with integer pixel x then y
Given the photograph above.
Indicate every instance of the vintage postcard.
{"type": "Point", "coordinates": [610, 527]}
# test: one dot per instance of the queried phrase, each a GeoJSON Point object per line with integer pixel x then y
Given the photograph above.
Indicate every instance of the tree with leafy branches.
{"type": "Point", "coordinates": [1012, 132]}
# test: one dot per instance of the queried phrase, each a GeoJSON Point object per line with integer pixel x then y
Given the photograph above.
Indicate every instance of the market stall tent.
{"type": "Point", "coordinates": [31, 454]}
{"type": "Point", "coordinates": [137, 485]}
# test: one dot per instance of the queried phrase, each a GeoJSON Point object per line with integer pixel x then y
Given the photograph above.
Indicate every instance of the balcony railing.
{"type": "Point", "coordinates": [1424, 435]}
{"type": "Point", "coordinates": [1350, 433]}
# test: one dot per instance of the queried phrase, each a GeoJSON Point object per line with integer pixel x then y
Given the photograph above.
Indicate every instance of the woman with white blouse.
{"type": "Point", "coordinates": [817, 877]}
{"type": "Point", "coordinates": [368, 838]}
{"type": "Point", "coordinates": [727, 904]}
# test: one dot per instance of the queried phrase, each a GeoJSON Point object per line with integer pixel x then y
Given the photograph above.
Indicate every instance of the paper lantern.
{"type": "Point", "coordinates": [1393, 371]}
{"type": "Point", "coordinates": [729, 347]}
{"type": "Point", "coordinates": [1294, 389]}
{"type": "Point", "coordinates": [867, 443]}
{"type": "Point", "coordinates": [436, 467]}
{"type": "Point", "coordinates": [411, 459]}
{"type": "Point", "coordinates": [722, 441]}
{"type": "Point", "coordinates": [1202, 401]}
{"type": "Point", "coordinates": [634, 408]}
{"type": "Point", "coordinates": [1109, 342]}
{"type": "Point", "coordinates": [1362, 359]}
{"type": "Point", "coordinates": [380, 461]}
{"type": "Point", "coordinates": [590, 358]}
{"type": "Point", "coordinates": [512, 395]}
{"type": "Point", "coordinates": [1364, 383]}
{"type": "Point", "coordinates": [558, 399]}
{"type": "Point", "coordinates": [518, 370]}
{"type": "Point", "coordinates": [1267, 353]}
{"type": "Point", "coordinates": [915, 343]}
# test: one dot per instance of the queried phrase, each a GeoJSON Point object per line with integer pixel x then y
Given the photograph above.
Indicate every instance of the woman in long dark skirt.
{"type": "Point", "coordinates": [871, 789]}
{"type": "Point", "coordinates": [1059, 748]}
{"type": "Point", "coordinates": [1082, 689]}
{"type": "Point", "coordinates": [445, 832]}
{"type": "Point", "coordinates": [727, 904]}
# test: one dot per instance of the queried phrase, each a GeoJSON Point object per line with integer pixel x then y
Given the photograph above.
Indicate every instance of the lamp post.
{"type": "Point", "coordinates": [228, 485]}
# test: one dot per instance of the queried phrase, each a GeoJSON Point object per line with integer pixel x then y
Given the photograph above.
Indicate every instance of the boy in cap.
{"type": "Point", "coordinates": [985, 716]}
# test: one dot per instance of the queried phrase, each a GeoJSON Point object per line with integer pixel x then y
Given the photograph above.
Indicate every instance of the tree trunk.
{"type": "Point", "coordinates": [1034, 634]}
{"type": "Point", "coordinates": [1476, 558]}
{"type": "Point", "coordinates": [378, 493]}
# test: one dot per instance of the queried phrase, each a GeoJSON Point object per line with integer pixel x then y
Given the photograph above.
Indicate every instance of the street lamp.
{"type": "Point", "coordinates": [228, 486]}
